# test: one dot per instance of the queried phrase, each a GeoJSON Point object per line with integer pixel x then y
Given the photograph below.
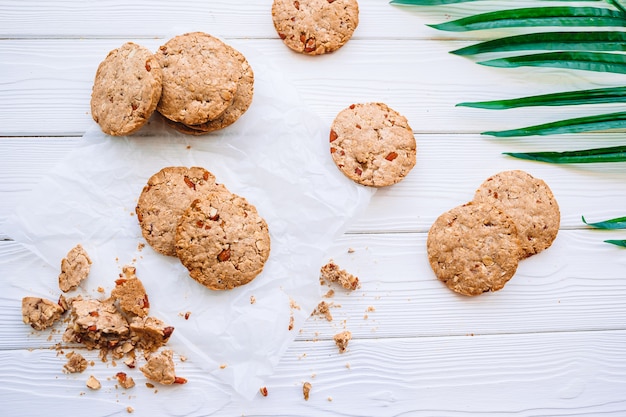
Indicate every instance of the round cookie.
{"type": "Point", "coordinates": [531, 204]}
{"type": "Point", "coordinates": [126, 89]}
{"type": "Point", "coordinates": [372, 144]}
{"type": "Point", "coordinates": [165, 198]}
{"type": "Point", "coordinates": [223, 241]}
{"type": "Point", "coordinates": [241, 102]}
{"type": "Point", "coordinates": [315, 27]}
{"type": "Point", "coordinates": [474, 248]}
{"type": "Point", "coordinates": [200, 78]}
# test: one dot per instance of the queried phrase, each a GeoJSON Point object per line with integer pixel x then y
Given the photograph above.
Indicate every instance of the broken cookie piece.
{"type": "Point", "coordinates": [131, 294]}
{"type": "Point", "coordinates": [149, 333]}
{"type": "Point", "coordinates": [93, 383]}
{"type": "Point", "coordinates": [76, 363]}
{"type": "Point", "coordinates": [342, 339]}
{"type": "Point", "coordinates": [74, 268]}
{"type": "Point", "coordinates": [331, 273]}
{"type": "Point", "coordinates": [124, 380]}
{"type": "Point", "coordinates": [160, 368]}
{"type": "Point", "coordinates": [306, 389]}
{"type": "Point", "coordinates": [323, 309]}
{"type": "Point", "coordinates": [40, 313]}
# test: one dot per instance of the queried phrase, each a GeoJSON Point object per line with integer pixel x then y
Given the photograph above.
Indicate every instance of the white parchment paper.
{"type": "Point", "coordinates": [276, 156]}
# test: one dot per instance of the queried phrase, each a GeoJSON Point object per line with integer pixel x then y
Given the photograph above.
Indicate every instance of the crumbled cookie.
{"type": "Point", "coordinates": [76, 363]}
{"type": "Point", "coordinates": [323, 309]}
{"type": "Point", "coordinates": [474, 248]}
{"type": "Point", "coordinates": [74, 268]}
{"type": "Point", "coordinates": [332, 273]}
{"type": "Point", "coordinates": [124, 380]}
{"type": "Point", "coordinates": [150, 333]}
{"type": "Point", "coordinates": [93, 383]}
{"type": "Point", "coordinates": [372, 144]}
{"type": "Point", "coordinates": [315, 27]}
{"type": "Point", "coordinates": [160, 368]}
{"type": "Point", "coordinates": [126, 89]}
{"type": "Point", "coordinates": [130, 293]}
{"type": "Point", "coordinates": [342, 339]}
{"type": "Point", "coordinates": [222, 240]}
{"type": "Point", "coordinates": [40, 313]}
{"type": "Point", "coordinates": [165, 198]}
{"type": "Point", "coordinates": [531, 204]}
{"type": "Point", "coordinates": [306, 390]}
{"type": "Point", "coordinates": [200, 78]}
{"type": "Point", "coordinates": [96, 324]}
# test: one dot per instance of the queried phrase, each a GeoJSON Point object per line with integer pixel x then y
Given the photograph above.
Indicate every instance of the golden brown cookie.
{"type": "Point", "coordinates": [126, 89]}
{"type": "Point", "coordinates": [223, 241]}
{"type": "Point", "coordinates": [164, 199]}
{"type": "Point", "coordinates": [315, 27]}
{"type": "Point", "coordinates": [200, 78]}
{"type": "Point", "coordinates": [474, 248]}
{"type": "Point", "coordinates": [531, 204]}
{"type": "Point", "coordinates": [372, 144]}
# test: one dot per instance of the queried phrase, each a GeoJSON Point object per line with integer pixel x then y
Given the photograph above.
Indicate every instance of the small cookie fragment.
{"type": "Point", "coordinates": [315, 27]}
{"type": "Point", "coordinates": [74, 268]}
{"type": "Point", "coordinates": [323, 309]}
{"type": "Point", "coordinates": [531, 204]}
{"type": "Point", "coordinates": [342, 339]}
{"type": "Point", "coordinates": [76, 363]}
{"type": "Point", "coordinates": [130, 293]}
{"type": "Point", "coordinates": [372, 144]}
{"type": "Point", "coordinates": [124, 380]}
{"type": "Point", "coordinates": [93, 383]}
{"type": "Point", "coordinates": [150, 333]}
{"type": "Point", "coordinates": [165, 198]}
{"type": "Point", "coordinates": [126, 89]}
{"type": "Point", "coordinates": [160, 368]}
{"type": "Point", "coordinates": [306, 390]}
{"type": "Point", "coordinates": [222, 240]}
{"type": "Point", "coordinates": [40, 313]}
{"type": "Point", "coordinates": [332, 273]}
{"type": "Point", "coordinates": [474, 248]}
{"type": "Point", "coordinates": [96, 324]}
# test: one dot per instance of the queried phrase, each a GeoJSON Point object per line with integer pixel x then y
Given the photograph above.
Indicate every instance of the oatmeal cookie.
{"type": "Point", "coordinates": [372, 144]}
{"type": "Point", "coordinates": [163, 200]}
{"type": "Point", "coordinates": [126, 90]}
{"type": "Point", "coordinates": [223, 241]}
{"type": "Point", "coordinates": [200, 78]}
{"type": "Point", "coordinates": [531, 204]}
{"type": "Point", "coordinates": [315, 27]}
{"type": "Point", "coordinates": [474, 248]}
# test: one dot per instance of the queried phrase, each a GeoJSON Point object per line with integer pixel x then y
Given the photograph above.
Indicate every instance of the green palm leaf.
{"type": "Point", "coordinates": [621, 243]}
{"type": "Point", "coordinates": [428, 2]}
{"type": "Point", "coordinates": [582, 41]}
{"type": "Point", "coordinates": [537, 16]}
{"type": "Point", "coordinates": [588, 61]}
{"type": "Point", "coordinates": [587, 156]}
{"type": "Point", "coordinates": [617, 223]}
{"type": "Point", "coordinates": [594, 96]}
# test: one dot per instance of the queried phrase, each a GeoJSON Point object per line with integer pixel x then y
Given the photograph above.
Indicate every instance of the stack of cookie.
{"type": "Point", "coordinates": [198, 83]}
{"type": "Point", "coordinates": [475, 248]}
{"type": "Point", "coordinates": [217, 235]}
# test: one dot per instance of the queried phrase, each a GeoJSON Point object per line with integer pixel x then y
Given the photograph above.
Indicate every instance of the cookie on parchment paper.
{"type": "Point", "coordinates": [126, 90]}
{"type": "Point", "coordinates": [165, 198]}
{"type": "Point", "coordinates": [222, 240]}
{"type": "Point", "coordinates": [474, 248]}
{"type": "Point", "coordinates": [372, 144]}
{"type": "Point", "coordinates": [531, 204]}
{"type": "Point", "coordinates": [200, 77]}
{"type": "Point", "coordinates": [315, 27]}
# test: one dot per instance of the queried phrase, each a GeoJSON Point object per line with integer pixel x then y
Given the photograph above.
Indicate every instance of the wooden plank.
{"type": "Point", "coordinates": [560, 374]}
{"type": "Point", "coordinates": [47, 83]}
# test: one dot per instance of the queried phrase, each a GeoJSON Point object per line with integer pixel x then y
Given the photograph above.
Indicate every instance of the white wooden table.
{"type": "Point", "coordinates": [552, 342]}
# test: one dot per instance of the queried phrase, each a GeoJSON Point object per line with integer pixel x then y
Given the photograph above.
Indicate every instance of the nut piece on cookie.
{"type": "Point", "coordinates": [130, 293]}
{"type": "Point", "coordinates": [126, 90]}
{"type": "Point", "coordinates": [74, 268]}
{"type": "Point", "coordinates": [160, 368]}
{"type": "Point", "coordinates": [40, 313]}
{"type": "Point", "coordinates": [342, 339]}
{"type": "Point", "coordinates": [150, 333]}
{"type": "Point", "coordinates": [76, 363]}
{"type": "Point", "coordinates": [332, 273]}
{"type": "Point", "coordinates": [372, 144]}
{"type": "Point", "coordinates": [96, 324]}
{"type": "Point", "coordinates": [315, 27]}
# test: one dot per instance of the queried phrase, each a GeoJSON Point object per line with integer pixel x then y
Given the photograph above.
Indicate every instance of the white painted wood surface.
{"type": "Point", "coordinates": [550, 343]}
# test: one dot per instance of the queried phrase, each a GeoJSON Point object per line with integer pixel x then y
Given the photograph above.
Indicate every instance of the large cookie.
{"type": "Point", "coordinates": [223, 241]}
{"type": "Point", "coordinates": [474, 248]}
{"type": "Point", "coordinates": [372, 144]}
{"type": "Point", "coordinates": [531, 204]}
{"type": "Point", "coordinates": [200, 78]}
{"type": "Point", "coordinates": [164, 199]}
{"type": "Point", "coordinates": [126, 89]}
{"type": "Point", "coordinates": [315, 27]}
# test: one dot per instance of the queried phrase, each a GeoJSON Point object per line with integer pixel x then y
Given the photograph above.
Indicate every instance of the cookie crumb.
{"type": "Point", "coordinates": [124, 380]}
{"type": "Point", "coordinates": [350, 250]}
{"type": "Point", "coordinates": [263, 391]}
{"type": "Point", "coordinates": [329, 294]}
{"type": "Point", "coordinates": [93, 383]}
{"type": "Point", "coordinates": [323, 309]}
{"type": "Point", "coordinates": [130, 410]}
{"type": "Point", "coordinates": [306, 389]}
{"type": "Point", "coordinates": [223, 366]}
{"type": "Point", "coordinates": [76, 363]}
{"type": "Point", "coordinates": [333, 274]}
{"type": "Point", "coordinates": [330, 399]}
{"type": "Point", "coordinates": [252, 299]}
{"type": "Point", "coordinates": [342, 339]}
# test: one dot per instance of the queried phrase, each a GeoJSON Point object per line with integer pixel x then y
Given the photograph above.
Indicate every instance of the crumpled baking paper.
{"type": "Point", "coordinates": [276, 155]}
